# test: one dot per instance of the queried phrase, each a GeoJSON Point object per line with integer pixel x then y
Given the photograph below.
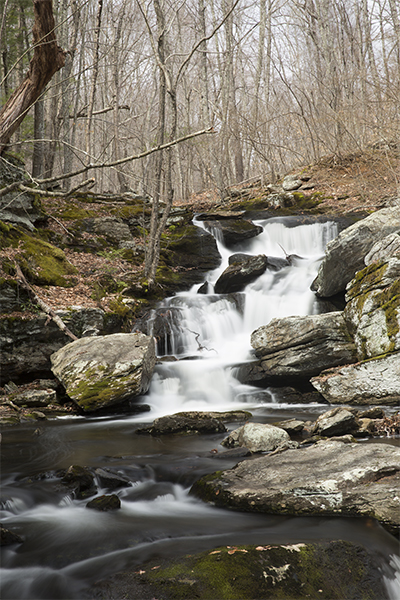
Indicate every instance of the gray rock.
{"type": "Point", "coordinates": [345, 254]}
{"type": "Point", "coordinates": [290, 183]}
{"type": "Point", "coordinates": [98, 372]}
{"type": "Point", "coordinates": [384, 249]}
{"type": "Point", "coordinates": [374, 381]}
{"type": "Point", "coordinates": [328, 478]}
{"type": "Point", "coordinates": [291, 426]}
{"type": "Point", "coordinates": [105, 503]}
{"type": "Point", "coordinates": [239, 274]}
{"type": "Point", "coordinates": [303, 346]}
{"type": "Point", "coordinates": [35, 398]}
{"type": "Point", "coordinates": [112, 228]}
{"type": "Point", "coordinates": [257, 437]}
{"type": "Point", "coordinates": [281, 200]}
{"type": "Point", "coordinates": [337, 421]}
{"type": "Point", "coordinates": [111, 480]}
{"type": "Point", "coordinates": [373, 309]}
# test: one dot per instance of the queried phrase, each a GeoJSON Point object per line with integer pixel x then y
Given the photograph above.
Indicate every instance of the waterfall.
{"type": "Point", "coordinates": [210, 333]}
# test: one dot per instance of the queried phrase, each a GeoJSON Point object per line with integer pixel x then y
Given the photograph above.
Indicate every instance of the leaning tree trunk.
{"type": "Point", "coordinates": [48, 58]}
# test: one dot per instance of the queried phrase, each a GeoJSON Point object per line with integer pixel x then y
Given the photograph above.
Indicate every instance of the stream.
{"type": "Point", "coordinates": [67, 547]}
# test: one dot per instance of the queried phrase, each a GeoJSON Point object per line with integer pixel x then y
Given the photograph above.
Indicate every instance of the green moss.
{"type": "Point", "coordinates": [44, 264]}
{"type": "Point", "coordinates": [76, 213]}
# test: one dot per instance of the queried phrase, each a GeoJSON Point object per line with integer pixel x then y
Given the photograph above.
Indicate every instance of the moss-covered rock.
{"type": "Point", "coordinates": [331, 571]}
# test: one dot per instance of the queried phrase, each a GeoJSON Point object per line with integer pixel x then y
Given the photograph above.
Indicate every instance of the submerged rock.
{"type": "Point", "coordinates": [328, 478]}
{"type": "Point", "coordinates": [8, 537]}
{"type": "Point", "coordinates": [331, 571]}
{"type": "Point", "coordinates": [101, 371]}
{"type": "Point", "coordinates": [105, 503]}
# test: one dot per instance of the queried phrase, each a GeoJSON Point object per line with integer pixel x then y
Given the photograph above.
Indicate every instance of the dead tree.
{"type": "Point", "coordinates": [47, 59]}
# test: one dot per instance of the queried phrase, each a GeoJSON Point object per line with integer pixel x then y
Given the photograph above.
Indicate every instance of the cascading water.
{"type": "Point", "coordinates": [67, 547]}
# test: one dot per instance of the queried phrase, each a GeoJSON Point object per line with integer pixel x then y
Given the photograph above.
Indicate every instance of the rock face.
{"type": "Point", "coordinates": [328, 478]}
{"type": "Point", "coordinates": [256, 437]}
{"type": "Point", "coordinates": [239, 274]}
{"type": "Point", "coordinates": [101, 371]}
{"type": "Point", "coordinates": [374, 381]}
{"type": "Point", "coordinates": [373, 308]}
{"type": "Point", "coordinates": [345, 254]}
{"type": "Point", "coordinates": [27, 343]}
{"type": "Point", "coordinates": [337, 421]}
{"type": "Point", "coordinates": [303, 346]}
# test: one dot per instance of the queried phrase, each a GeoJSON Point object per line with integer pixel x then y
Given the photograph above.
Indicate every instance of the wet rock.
{"type": "Point", "coordinates": [345, 254]}
{"type": "Point", "coordinates": [239, 274]}
{"type": "Point", "coordinates": [110, 480]}
{"type": "Point", "coordinates": [8, 537]}
{"type": "Point", "coordinates": [291, 395]}
{"type": "Point", "coordinates": [185, 423]}
{"type": "Point", "coordinates": [233, 231]}
{"type": "Point", "coordinates": [374, 381]}
{"type": "Point", "coordinates": [375, 412]}
{"type": "Point", "coordinates": [105, 503]}
{"type": "Point", "coordinates": [337, 421]}
{"type": "Point", "coordinates": [328, 478]}
{"type": "Point", "coordinates": [101, 371]}
{"type": "Point", "coordinates": [256, 437]}
{"type": "Point", "coordinates": [80, 480]}
{"type": "Point", "coordinates": [303, 346]}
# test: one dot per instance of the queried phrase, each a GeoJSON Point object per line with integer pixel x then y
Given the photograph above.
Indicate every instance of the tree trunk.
{"type": "Point", "coordinates": [47, 59]}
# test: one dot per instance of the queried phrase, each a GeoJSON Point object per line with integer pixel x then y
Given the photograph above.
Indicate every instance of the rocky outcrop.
{"type": "Point", "coordinates": [239, 274]}
{"type": "Point", "coordinates": [345, 254]}
{"type": "Point", "coordinates": [114, 230]}
{"type": "Point", "coordinates": [302, 346]}
{"type": "Point", "coordinates": [27, 343]}
{"type": "Point", "coordinates": [337, 421]}
{"type": "Point", "coordinates": [328, 478]}
{"type": "Point", "coordinates": [256, 437]}
{"type": "Point", "coordinates": [373, 308]}
{"type": "Point", "coordinates": [98, 372]}
{"type": "Point", "coordinates": [375, 381]}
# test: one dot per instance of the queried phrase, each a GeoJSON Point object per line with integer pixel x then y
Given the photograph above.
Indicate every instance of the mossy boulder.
{"type": "Point", "coordinates": [98, 372]}
{"type": "Point", "coordinates": [331, 571]}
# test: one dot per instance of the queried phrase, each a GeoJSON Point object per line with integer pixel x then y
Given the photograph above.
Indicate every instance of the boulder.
{"type": "Point", "coordinates": [345, 254]}
{"type": "Point", "coordinates": [239, 274]}
{"type": "Point", "coordinates": [303, 346]}
{"type": "Point", "coordinates": [233, 231]}
{"type": "Point", "coordinates": [80, 481]}
{"type": "Point", "coordinates": [328, 478]}
{"type": "Point", "coordinates": [256, 437]}
{"type": "Point", "coordinates": [114, 230]}
{"type": "Point", "coordinates": [375, 381]}
{"type": "Point", "coordinates": [8, 537]}
{"type": "Point", "coordinates": [328, 570]}
{"type": "Point", "coordinates": [291, 426]}
{"type": "Point", "coordinates": [337, 421]}
{"type": "Point", "coordinates": [187, 422]}
{"type": "Point", "coordinates": [373, 308]}
{"type": "Point", "coordinates": [291, 182]}
{"type": "Point", "coordinates": [110, 480]}
{"type": "Point", "coordinates": [98, 372]}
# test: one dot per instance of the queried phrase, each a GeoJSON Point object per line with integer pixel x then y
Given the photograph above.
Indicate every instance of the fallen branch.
{"type": "Point", "coordinates": [59, 322]}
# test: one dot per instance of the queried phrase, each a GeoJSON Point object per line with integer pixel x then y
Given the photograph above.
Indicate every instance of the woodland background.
{"type": "Point", "coordinates": [281, 82]}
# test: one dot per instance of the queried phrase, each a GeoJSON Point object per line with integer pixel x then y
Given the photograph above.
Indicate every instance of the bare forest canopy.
{"type": "Point", "coordinates": [281, 82]}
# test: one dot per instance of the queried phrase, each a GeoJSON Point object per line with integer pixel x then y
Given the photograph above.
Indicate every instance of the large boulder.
{"type": "Point", "coordinates": [98, 372]}
{"type": "Point", "coordinates": [303, 346]}
{"type": "Point", "coordinates": [328, 478]}
{"type": "Point", "coordinates": [329, 570]}
{"type": "Point", "coordinates": [375, 381]}
{"type": "Point", "coordinates": [373, 308]}
{"type": "Point", "coordinates": [345, 254]}
{"type": "Point", "coordinates": [239, 274]}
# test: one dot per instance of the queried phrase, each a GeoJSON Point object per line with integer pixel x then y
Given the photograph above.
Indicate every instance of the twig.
{"type": "Point", "coordinates": [59, 322]}
{"type": "Point", "coordinates": [200, 346]}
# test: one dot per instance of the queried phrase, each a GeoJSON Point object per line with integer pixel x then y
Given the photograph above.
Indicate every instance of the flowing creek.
{"type": "Point", "coordinates": [67, 547]}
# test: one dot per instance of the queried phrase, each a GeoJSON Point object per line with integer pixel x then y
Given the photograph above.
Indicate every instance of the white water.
{"type": "Point", "coordinates": [213, 334]}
